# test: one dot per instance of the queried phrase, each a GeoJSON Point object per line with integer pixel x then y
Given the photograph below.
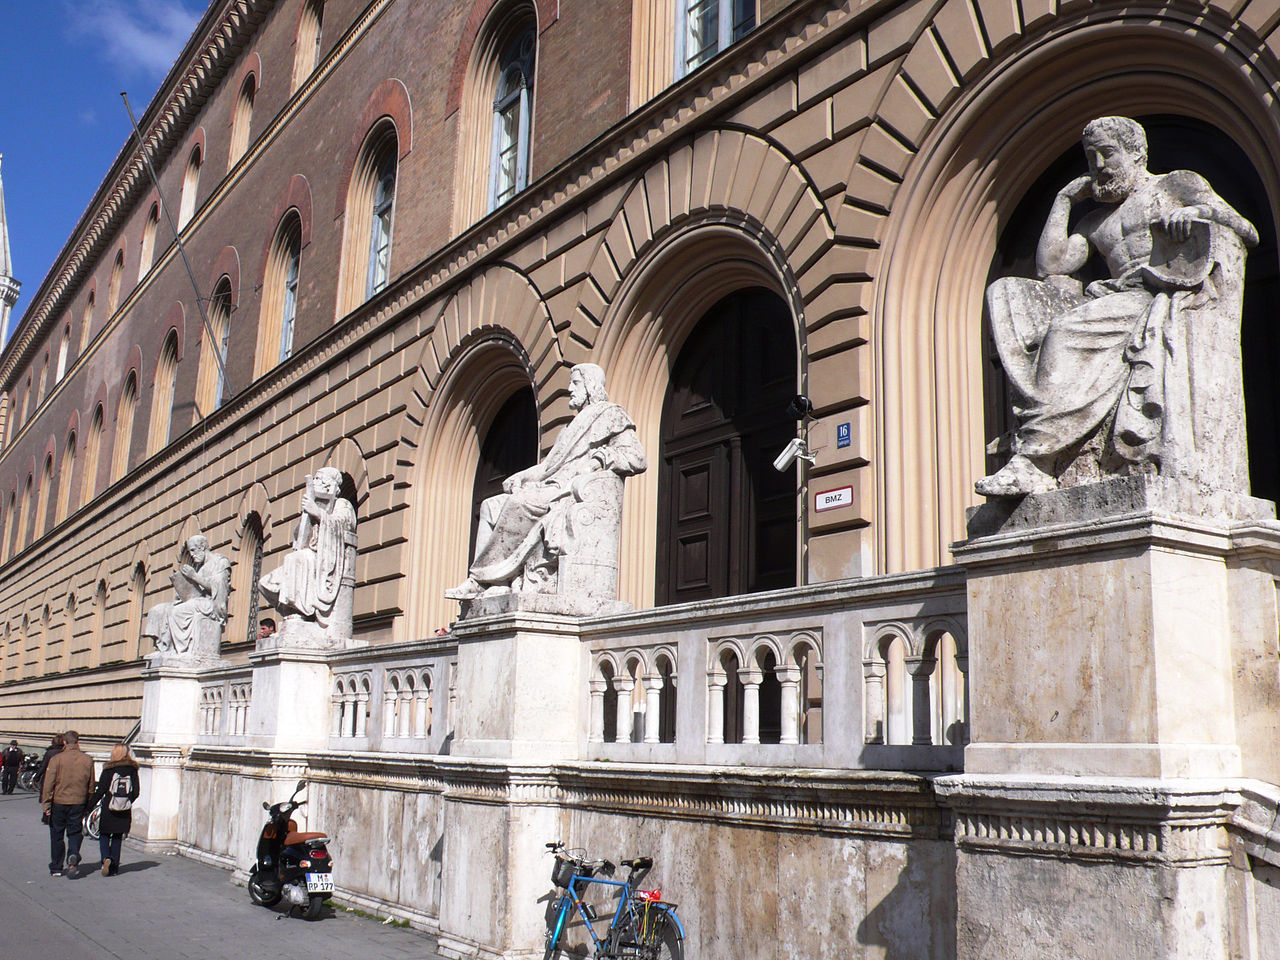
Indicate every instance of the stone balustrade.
{"type": "Point", "coordinates": [226, 697]}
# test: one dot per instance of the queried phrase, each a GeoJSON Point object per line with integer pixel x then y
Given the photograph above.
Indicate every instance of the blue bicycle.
{"type": "Point", "coordinates": [643, 927]}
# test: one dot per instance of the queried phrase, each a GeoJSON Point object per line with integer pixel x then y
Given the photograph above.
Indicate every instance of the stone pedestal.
{"type": "Point", "coordinates": [170, 718]}
{"type": "Point", "coordinates": [291, 700]}
{"type": "Point", "coordinates": [1110, 629]}
{"type": "Point", "coordinates": [1101, 635]}
{"type": "Point", "coordinates": [523, 675]}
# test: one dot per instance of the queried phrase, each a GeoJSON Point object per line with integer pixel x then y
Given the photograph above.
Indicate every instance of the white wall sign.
{"type": "Point", "coordinates": [831, 499]}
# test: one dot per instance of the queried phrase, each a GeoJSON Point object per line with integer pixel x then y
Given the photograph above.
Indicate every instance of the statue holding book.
{"type": "Point", "coordinates": [190, 626]}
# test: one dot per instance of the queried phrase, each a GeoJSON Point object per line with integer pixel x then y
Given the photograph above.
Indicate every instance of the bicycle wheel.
{"type": "Point", "coordinates": [553, 934]}
{"type": "Point", "coordinates": [661, 940]}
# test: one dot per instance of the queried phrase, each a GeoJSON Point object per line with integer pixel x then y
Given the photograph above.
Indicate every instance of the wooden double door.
{"type": "Point", "coordinates": [727, 519]}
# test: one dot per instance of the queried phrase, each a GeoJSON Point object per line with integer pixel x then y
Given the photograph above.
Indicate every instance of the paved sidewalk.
{"type": "Point", "coordinates": [160, 908]}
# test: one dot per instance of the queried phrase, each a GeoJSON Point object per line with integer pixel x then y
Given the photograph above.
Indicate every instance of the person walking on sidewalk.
{"type": "Point", "coordinates": [67, 785]}
{"type": "Point", "coordinates": [51, 751]}
{"type": "Point", "coordinates": [10, 761]}
{"type": "Point", "coordinates": [118, 787]}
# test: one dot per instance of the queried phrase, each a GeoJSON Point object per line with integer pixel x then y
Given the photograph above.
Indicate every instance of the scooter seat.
{"type": "Point", "coordinates": [295, 837]}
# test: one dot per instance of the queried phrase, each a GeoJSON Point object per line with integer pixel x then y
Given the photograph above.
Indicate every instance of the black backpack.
{"type": "Point", "coordinates": [118, 793]}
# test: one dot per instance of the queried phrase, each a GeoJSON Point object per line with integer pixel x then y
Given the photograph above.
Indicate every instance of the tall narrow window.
{"type": "Point", "coordinates": [124, 427]}
{"type": "Point", "coordinates": [280, 296]}
{"type": "Point", "coordinates": [210, 388]}
{"type": "Point", "coordinates": [98, 624]}
{"type": "Point", "coordinates": [42, 498]}
{"type": "Point", "coordinates": [64, 479]}
{"type": "Point", "coordinates": [306, 52]}
{"type": "Point", "coordinates": [26, 403]}
{"type": "Point", "coordinates": [137, 596]}
{"type": "Point", "coordinates": [366, 244]}
{"type": "Point", "coordinates": [86, 322]}
{"type": "Point", "coordinates": [64, 348]}
{"type": "Point", "coordinates": [147, 252]}
{"type": "Point", "coordinates": [242, 118]}
{"type": "Point", "coordinates": [42, 651]}
{"type": "Point", "coordinates": [512, 108]}
{"type": "Point", "coordinates": [24, 517]}
{"type": "Point", "coordinates": [9, 515]}
{"type": "Point", "coordinates": [68, 631]}
{"type": "Point", "coordinates": [44, 381]}
{"type": "Point", "coordinates": [705, 27]}
{"type": "Point", "coordinates": [92, 454]}
{"type": "Point", "coordinates": [113, 284]}
{"type": "Point", "coordinates": [247, 570]}
{"type": "Point", "coordinates": [190, 186]}
{"type": "Point", "coordinates": [162, 395]}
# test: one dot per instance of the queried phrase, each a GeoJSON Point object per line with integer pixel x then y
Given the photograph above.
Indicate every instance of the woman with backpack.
{"type": "Point", "coordinates": [118, 787]}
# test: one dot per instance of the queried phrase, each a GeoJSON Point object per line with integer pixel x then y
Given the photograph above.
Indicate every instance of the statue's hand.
{"type": "Point", "coordinates": [1178, 223]}
{"type": "Point", "coordinates": [1078, 189]}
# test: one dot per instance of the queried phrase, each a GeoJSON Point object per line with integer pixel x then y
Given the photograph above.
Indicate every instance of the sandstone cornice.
{"type": "Point", "coordinates": [165, 121]}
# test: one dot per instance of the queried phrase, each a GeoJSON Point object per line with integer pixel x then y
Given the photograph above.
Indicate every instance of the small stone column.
{"type": "Point", "coordinates": [597, 688]}
{"type": "Point", "coordinates": [716, 683]}
{"type": "Point", "coordinates": [389, 711]}
{"type": "Point", "coordinates": [750, 704]}
{"type": "Point", "coordinates": [362, 713]}
{"type": "Point", "coordinates": [652, 710]}
{"type": "Point", "coordinates": [421, 712]}
{"type": "Point", "coordinates": [789, 680]}
{"type": "Point", "coordinates": [921, 671]}
{"type": "Point", "coordinates": [625, 686]}
{"type": "Point", "coordinates": [873, 701]}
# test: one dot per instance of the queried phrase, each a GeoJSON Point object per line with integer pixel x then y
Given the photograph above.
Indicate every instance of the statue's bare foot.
{"type": "Point", "coordinates": [1017, 478]}
{"type": "Point", "coordinates": [469, 589]}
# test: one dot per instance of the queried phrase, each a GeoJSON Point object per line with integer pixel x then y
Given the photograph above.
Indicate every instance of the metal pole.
{"type": "Point", "coordinates": [164, 207]}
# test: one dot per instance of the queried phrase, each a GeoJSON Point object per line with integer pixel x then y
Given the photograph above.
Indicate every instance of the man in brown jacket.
{"type": "Point", "coordinates": [67, 785]}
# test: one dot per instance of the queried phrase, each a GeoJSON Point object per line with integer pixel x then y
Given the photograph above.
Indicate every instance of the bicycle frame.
{"type": "Point", "coordinates": [626, 907]}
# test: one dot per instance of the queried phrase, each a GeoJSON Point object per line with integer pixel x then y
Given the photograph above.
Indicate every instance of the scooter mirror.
{"type": "Point", "coordinates": [302, 784]}
{"type": "Point", "coordinates": [265, 805]}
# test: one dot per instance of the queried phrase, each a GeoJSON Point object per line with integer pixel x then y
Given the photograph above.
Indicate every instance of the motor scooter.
{"type": "Point", "coordinates": [291, 866]}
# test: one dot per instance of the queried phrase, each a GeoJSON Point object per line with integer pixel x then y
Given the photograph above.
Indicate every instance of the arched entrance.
{"type": "Point", "coordinates": [1174, 143]}
{"type": "Point", "coordinates": [726, 518]}
{"type": "Point", "coordinates": [510, 444]}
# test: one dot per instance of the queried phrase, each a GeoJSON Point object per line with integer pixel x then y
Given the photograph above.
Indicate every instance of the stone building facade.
{"type": "Point", "coordinates": [406, 222]}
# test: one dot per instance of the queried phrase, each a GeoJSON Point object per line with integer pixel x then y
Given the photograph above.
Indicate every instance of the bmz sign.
{"type": "Point", "coordinates": [831, 499]}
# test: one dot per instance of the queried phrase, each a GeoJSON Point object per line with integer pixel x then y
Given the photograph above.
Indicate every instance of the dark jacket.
{"type": "Point", "coordinates": [49, 754]}
{"type": "Point", "coordinates": [12, 756]}
{"type": "Point", "coordinates": [115, 821]}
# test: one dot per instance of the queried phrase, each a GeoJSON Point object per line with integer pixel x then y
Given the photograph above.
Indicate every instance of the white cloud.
{"type": "Point", "coordinates": [138, 36]}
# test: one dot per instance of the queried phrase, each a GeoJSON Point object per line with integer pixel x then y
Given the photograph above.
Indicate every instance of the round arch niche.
{"type": "Point", "coordinates": [658, 307]}
{"type": "Point", "coordinates": [477, 383]}
{"type": "Point", "coordinates": [963, 190]}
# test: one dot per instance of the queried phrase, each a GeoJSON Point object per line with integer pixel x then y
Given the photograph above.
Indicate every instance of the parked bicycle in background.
{"type": "Point", "coordinates": [642, 927]}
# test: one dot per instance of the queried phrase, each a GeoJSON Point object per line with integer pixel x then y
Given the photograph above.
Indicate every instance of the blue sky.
{"type": "Point", "coordinates": [63, 64]}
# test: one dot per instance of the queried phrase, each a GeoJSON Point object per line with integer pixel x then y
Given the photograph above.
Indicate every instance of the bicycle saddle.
{"type": "Point", "coordinates": [639, 863]}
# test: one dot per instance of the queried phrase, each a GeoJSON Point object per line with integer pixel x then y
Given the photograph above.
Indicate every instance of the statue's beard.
{"type": "Point", "coordinates": [1112, 190]}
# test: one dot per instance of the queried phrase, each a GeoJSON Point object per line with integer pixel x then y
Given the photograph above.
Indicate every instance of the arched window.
{"type": "Point", "coordinates": [306, 51]}
{"type": "Point", "coordinates": [137, 596]}
{"type": "Point", "coordinates": [190, 186]}
{"type": "Point", "coordinates": [64, 479]}
{"type": "Point", "coordinates": [124, 427]}
{"type": "Point", "coordinates": [147, 252]}
{"type": "Point", "coordinates": [92, 454]}
{"type": "Point", "coordinates": [24, 517]}
{"type": "Point", "coordinates": [280, 295]}
{"type": "Point", "coordinates": [42, 650]}
{"type": "Point", "coordinates": [210, 388]}
{"type": "Point", "coordinates": [370, 209]}
{"type": "Point", "coordinates": [162, 395]}
{"type": "Point", "coordinates": [113, 283]}
{"type": "Point", "coordinates": [9, 515]}
{"type": "Point", "coordinates": [510, 444]}
{"type": "Point", "coordinates": [64, 348]}
{"type": "Point", "coordinates": [68, 631]}
{"type": "Point", "coordinates": [42, 498]}
{"type": "Point", "coordinates": [244, 588]}
{"type": "Point", "coordinates": [512, 114]}
{"type": "Point", "coordinates": [26, 403]}
{"type": "Point", "coordinates": [496, 113]}
{"type": "Point", "coordinates": [97, 626]}
{"type": "Point", "coordinates": [705, 27]}
{"type": "Point", "coordinates": [86, 322]}
{"type": "Point", "coordinates": [44, 381]}
{"type": "Point", "coordinates": [241, 119]}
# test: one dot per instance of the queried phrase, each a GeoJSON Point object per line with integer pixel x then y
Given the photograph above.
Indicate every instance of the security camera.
{"type": "Point", "coordinates": [793, 451]}
{"type": "Point", "coordinates": [800, 407]}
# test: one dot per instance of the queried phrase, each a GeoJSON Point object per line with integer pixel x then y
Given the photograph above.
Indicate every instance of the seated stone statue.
{"type": "Point", "coordinates": [556, 528]}
{"type": "Point", "coordinates": [314, 588]}
{"type": "Point", "coordinates": [1139, 372]}
{"type": "Point", "coordinates": [190, 626]}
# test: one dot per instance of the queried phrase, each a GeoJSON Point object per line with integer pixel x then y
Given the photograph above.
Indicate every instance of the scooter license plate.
{"type": "Point", "coordinates": [319, 883]}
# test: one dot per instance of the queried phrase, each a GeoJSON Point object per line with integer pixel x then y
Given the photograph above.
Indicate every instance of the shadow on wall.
{"type": "Point", "coordinates": [916, 919]}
